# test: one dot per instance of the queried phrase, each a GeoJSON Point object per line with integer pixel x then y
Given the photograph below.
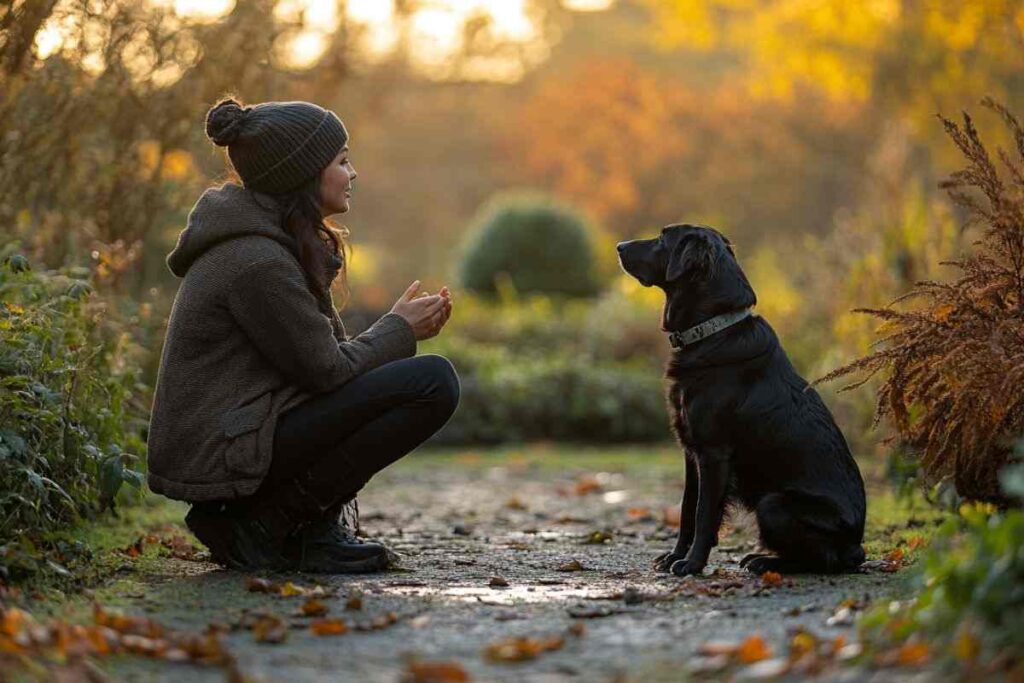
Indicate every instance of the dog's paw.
{"type": "Point", "coordinates": [664, 562]}
{"type": "Point", "coordinates": [759, 563]}
{"type": "Point", "coordinates": [687, 568]}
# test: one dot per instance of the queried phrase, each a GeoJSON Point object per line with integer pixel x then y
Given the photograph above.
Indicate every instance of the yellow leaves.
{"type": "Point", "coordinates": [941, 313]}
{"type": "Point", "coordinates": [289, 590]}
{"type": "Point", "coordinates": [175, 164]}
{"type": "Point", "coordinates": [778, 298]}
{"type": "Point", "coordinates": [966, 647]}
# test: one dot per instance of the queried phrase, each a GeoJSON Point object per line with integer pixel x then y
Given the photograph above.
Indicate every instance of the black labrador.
{"type": "Point", "coordinates": [754, 432]}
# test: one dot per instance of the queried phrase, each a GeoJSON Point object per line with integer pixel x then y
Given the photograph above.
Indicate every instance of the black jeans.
{"type": "Point", "coordinates": [335, 442]}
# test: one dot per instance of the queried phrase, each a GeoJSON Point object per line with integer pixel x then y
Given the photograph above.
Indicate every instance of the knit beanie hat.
{"type": "Point", "coordinates": [276, 146]}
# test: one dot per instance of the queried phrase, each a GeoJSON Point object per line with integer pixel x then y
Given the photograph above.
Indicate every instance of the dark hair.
{"type": "Point", "coordinates": [321, 242]}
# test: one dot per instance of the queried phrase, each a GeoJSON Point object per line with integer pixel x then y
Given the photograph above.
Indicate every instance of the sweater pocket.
{"type": "Point", "coordinates": [241, 427]}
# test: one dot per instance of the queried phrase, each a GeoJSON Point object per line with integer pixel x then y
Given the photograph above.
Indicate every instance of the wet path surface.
{"type": "Point", "coordinates": [494, 549]}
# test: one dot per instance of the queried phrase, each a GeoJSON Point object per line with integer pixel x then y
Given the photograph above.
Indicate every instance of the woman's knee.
{"type": "Point", "coordinates": [444, 381]}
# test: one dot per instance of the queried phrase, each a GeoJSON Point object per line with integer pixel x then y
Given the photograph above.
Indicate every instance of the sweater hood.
{"type": "Point", "coordinates": [225, 213]}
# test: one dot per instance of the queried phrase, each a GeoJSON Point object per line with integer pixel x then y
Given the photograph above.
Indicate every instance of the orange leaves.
{"type": "Point", "coordinates": [584, 485]}
{"type": "Point", "coordinates": [286, 590]}
{"type": "Point", "coordinates": [269, 628]}
{"type": "Point", "coordinates": [523, 648]}
{"type": "Point", "coordinates": [753, 649]}
{"type": "Point", "coordinates": [328, 627]}
{"type": "Point", "coordinates": [639, 514]}
{"type": "Point", "coordinates": [808, 655]}
{"type": "Point", "coordinates": [110, 633]}
{"type": "Point", "coordinates": [435, 672]}
{"type": "Point", "coordinates": [176, 545]}
{"type": "Point", "coordinates": [912, 654]}
{"type": "Point", "coordinates": [771, 579]}
{"type": "Point", "coordinates": [313, 608]}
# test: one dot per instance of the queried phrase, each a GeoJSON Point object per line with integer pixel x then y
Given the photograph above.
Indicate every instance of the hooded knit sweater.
{"type": "Point", "coordinates": [246, 341]}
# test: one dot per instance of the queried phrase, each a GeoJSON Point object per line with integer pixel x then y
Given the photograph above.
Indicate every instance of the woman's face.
{"type": "Point", "coordinates": [336, 184]}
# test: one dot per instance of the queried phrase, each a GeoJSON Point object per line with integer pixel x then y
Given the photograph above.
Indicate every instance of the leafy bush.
{"type": "Point", "coordinates": [954, 365]}
{"type": "Point", "coordinates": [531, 242]}
{"type": "Point", "coordinates": [72, 409]}
{"type": "Point", "coordinates": [537, 368]}
{"type": "Point", "coordinates": [553, 398]}
{"type": "Point", "coordinates": [969, 589]}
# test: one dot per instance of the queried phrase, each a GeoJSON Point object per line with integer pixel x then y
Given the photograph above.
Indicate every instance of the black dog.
{"type": "Point", "coordinates": [753, 430]}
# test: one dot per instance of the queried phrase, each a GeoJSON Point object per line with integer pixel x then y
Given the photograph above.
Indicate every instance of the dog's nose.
{"type": "Point", "coordinates": [620, 246]}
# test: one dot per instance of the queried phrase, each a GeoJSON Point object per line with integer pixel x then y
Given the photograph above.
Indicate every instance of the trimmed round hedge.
{"type": "Point", "coordinates": [533, 242]}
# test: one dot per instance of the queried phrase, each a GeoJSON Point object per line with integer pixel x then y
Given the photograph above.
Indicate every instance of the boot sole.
{"type": "Point", "coordinates": [370, 564]}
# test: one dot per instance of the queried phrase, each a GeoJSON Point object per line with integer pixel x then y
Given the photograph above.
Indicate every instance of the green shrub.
{"type": "Point", "coordinates": [557, 398]}
{"type": "Point", "coordinates": [545, 368]}
{"type": "Point", "coordinates": [968, 608]}
{"type": "Point", "coordinates": [534, 244]}
{"type": "Point", "coordinates": [72, 409]}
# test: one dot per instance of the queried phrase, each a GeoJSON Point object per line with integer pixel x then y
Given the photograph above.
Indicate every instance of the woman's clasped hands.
{"type": "Point", "coordinates": [426, 313]}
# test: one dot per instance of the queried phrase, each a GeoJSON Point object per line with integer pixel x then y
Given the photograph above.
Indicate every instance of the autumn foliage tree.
{"type": "Point", "coordinates": [954, 364]}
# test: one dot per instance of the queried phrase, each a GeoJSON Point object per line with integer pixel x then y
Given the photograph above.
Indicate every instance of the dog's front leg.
{"type": "Point", "coordinates": [687, 518]}
{"type": "Point", "coordinates": [713, 466]}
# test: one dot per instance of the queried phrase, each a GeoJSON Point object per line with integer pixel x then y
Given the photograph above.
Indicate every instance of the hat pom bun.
{"type": "Point", "coordinates": [224, 122]}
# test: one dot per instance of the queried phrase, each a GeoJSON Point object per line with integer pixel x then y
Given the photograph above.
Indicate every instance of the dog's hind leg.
{"type": "Point", "coordinates": [807, 534]}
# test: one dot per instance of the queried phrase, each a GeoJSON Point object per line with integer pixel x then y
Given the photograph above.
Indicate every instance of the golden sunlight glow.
{"type": "Point", "coordinates": [587, 5]}
{"type": "Point", "coordinates": [434, 31]}
{"type": "Point", "coordinates": [199, 10]}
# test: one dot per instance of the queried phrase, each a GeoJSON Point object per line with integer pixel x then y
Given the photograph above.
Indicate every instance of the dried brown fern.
{"type": "Point", "coordinates": [953, 361]}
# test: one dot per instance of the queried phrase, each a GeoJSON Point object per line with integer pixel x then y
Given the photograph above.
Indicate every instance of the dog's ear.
{"type": "Point", "coordinates": [695, 256]}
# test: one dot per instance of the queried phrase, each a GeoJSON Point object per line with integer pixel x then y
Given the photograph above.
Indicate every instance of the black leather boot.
{"type": "Point", "coordinates": [238, 540]}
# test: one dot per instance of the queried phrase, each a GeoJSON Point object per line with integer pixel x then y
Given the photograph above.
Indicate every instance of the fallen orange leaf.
{"type": "Point", "coordinates": [753, 649]}
{"type": "Point", "coordinates": [671, 516]}
{"type": "Point", "coordinates": [912, 654]}
{"type": "Point", "coordinates": [771, 579]}
{"type": "Point", "coordinates": [314, 608]}
{"type": "Point", "coordinates": [436, 672]}
{"type": "Point", "coordinates": [328, 627]}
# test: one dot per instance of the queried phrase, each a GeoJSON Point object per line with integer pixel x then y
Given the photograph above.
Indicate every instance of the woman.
{"type": "Point", "coordinates": [267, 417]}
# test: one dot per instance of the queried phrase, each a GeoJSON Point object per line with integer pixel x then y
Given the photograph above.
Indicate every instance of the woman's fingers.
{"type": "Point", "coordinates": [411, 290]}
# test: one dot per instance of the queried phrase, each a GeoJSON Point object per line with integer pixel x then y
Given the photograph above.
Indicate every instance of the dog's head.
{"type": "Point", "coordinates": [696, 267]}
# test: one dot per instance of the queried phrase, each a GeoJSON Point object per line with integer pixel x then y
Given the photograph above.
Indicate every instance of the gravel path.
{"type": "Point", "coordinates": [488, 547]}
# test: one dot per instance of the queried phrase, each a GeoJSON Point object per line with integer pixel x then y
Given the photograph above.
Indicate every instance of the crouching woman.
{"type": "Point", "coordinates": [267, 417]}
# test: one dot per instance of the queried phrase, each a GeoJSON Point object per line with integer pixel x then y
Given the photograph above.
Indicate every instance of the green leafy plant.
{"type": "Point", "coordinates": [73, 411]}
{"type": "Point", "coordinates": [534, 244]}
{"type": "Point", "coordinates": [968, 609]}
